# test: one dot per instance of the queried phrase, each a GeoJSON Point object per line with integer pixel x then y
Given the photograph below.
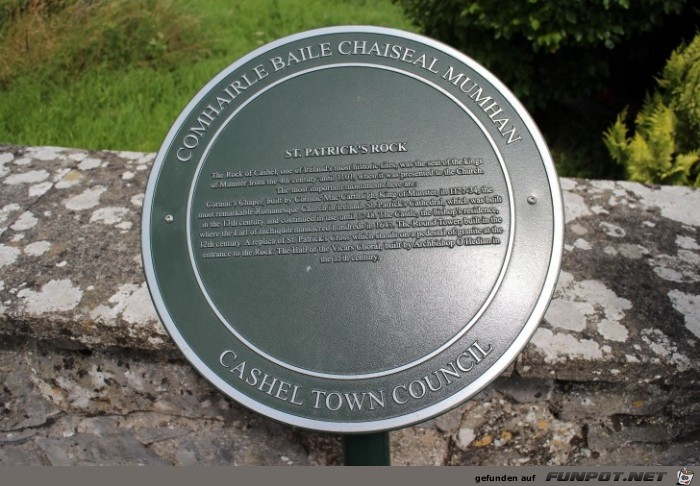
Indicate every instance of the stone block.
{"type": "Point", "coordinates": [90, 376]}
{"type": "Point", "coordinates": [589, 401]}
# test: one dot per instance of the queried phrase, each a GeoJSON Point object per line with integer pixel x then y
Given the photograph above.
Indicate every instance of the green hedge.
{"type": "Point", "coordinates": [545, 50]}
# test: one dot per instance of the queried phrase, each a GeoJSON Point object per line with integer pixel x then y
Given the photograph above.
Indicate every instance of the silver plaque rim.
{"type": "Point", "coordinates": [417, 416]}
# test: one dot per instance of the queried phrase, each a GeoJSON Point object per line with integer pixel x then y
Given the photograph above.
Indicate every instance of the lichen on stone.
{"type": "Point", "coordinates": [54, 296]}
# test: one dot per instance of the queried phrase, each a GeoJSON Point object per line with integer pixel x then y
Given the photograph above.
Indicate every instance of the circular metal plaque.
{"type": "Point", "coordinates": [352, 229]}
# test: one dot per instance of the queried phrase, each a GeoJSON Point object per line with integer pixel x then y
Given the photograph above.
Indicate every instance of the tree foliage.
{"type": "Point", "coordinates": [543, 50]}
{"type": "Point", "coordinates": [665, 147]}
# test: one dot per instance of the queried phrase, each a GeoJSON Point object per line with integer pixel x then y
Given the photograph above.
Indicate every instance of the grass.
{"type": "Point", "coordinates": [115, 75]}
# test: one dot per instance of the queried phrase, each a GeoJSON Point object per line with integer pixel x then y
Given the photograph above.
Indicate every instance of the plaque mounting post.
{"type": "Point", "coordinates": [367, 449]}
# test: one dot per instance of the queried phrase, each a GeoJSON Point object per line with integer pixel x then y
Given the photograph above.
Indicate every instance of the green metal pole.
{"type": "Point", "coordinates": [367, 449]}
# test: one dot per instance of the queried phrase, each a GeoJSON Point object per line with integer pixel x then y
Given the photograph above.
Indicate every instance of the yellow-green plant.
{"type": "Point", "coordinates": [665, 147]}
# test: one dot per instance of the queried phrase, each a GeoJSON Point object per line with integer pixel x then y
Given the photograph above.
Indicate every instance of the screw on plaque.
{"type": "Point", "coordinates": [169, 218]}
{"type": "Point", "coordinates": [532, 200]}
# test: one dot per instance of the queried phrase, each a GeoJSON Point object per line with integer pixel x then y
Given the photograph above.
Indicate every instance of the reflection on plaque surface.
{"type": "Point", "coordinates": [352, 229]}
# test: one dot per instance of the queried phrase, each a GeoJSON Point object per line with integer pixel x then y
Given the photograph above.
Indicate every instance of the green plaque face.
{"type": "Point", "coordinates": [352, 229]}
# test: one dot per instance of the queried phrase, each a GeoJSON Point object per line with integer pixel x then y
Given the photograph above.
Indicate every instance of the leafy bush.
{"type": "Point", "coordinates": [665, 147]}
{"type": "Point", "coordinates": [545, 50]}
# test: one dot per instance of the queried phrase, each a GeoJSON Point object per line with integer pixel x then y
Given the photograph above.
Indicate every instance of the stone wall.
{"type": "Point", "coordinates": [90, 377]}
